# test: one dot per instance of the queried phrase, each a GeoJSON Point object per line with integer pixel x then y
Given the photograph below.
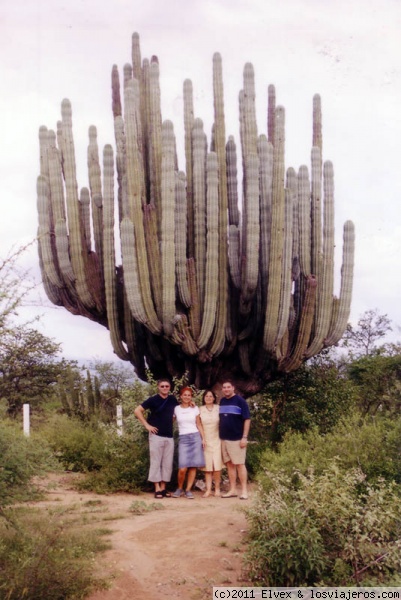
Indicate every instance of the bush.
{"type": "Point", "coordinates": [332, 529]}
{"type": "Point", "coordinates": [43, 558]}
{"type": "Point", "coordinates": [79, 446]}
{"type": "Point", "coordinates": [112, 463]}
{"type": "Point", "coordinates": [372, 444]}
{"type": "Point", "coordinates": [255, 453]}
{"type": "Point", "coordinates": [315, 395]}
{"type": "Point", "coordinates": [125, 468]}
{"type": "Point", "coordinates": [21, 458]}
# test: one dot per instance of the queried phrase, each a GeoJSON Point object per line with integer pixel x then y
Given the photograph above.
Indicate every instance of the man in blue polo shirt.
{"type": "Point", "coordinates": [161, 443]}
{"type": "Point", "coordinates": [235, 420]}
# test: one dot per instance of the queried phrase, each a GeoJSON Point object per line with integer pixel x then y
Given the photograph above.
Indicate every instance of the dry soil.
{"type": "Point", "coordinates": [180, 551]}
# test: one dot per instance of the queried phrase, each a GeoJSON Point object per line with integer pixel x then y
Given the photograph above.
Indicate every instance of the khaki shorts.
{"type": "Point", "coordinates": [232, 452]}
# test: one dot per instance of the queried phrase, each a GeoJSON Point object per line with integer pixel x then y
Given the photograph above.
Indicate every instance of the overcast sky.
{"type": "Point", "coordinates": [348, 51]}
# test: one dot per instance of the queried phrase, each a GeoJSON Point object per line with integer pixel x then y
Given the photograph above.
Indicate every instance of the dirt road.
{"type": "Point", "coordinates": [180, 551]}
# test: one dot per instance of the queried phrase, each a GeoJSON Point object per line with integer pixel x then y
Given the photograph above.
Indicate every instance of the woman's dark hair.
{"type": "Point", "coordinates": [206, 392]}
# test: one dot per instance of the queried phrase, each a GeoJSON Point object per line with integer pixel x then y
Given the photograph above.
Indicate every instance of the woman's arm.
{"type": "Point", "coordinates": [200, 429]}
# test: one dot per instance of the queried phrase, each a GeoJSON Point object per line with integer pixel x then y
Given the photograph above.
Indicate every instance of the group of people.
{"type": "Point", "coordinates": [208, 436]}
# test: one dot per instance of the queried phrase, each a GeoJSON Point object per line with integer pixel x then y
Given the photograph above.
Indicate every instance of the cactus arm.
{"type": "Point", "coordinates": [134, 201]}
{"type": "Point", "coordinates": [155, 138]}
{"type": "Point", "coordinates": [168, 249]}
{"type": "Point", "coordinates": [131, 272]}
{"type": "Point", "coordinates": [234, 255]}
{"type": "Point", "coordinates": [109, 254]}
{"type": "Point", "coordinates": [276, 244]}
{"type": "Point", "coordinates": [326, 281]}
{"type": "Point", "coordinates": [271, 112]}
{"type": "Point", "coordinates": [188, 126]}
{"type": "Point", "coordinates": [316, 212]}
{"type": "Point", "coordinates": [250, 131]}
{"type": "Point", "coordinates": [317, 138]}
{"type": "Point", "coordinates": [199, 149]}
{"type": "Point", "coordinates": [251, 251]}
{"type": "Point", "coordinates": [304, 221]}
{"type": "Point", "coordinates": [44, 232]}
{"type": "Point", "coordinates": [232, 182]}
{"type": "Point", "coordinates": [286, 279]}
{"type": "Point", "coordinates": [220, 143]}
{"type": "Point", "coordinates": [184, 336]}
{"type": "Point", "coordinates": [296, 358]}
{"type": "Point", "coordinates": [181, 239]}
{"type": "Point", "coordinates": [52, 292]}
{"type": "Point", "coordinates": [194, 309]}
{"type": "Point", "coordinates": [84, 201]}
{"type": "Point", "coordinates": [74, 222]}
{"type": "Point", "coordinates": [153, 253]}
{"type": "Point", "coordinates": [212, 252]}
{"type": "Point", "coordinates": [265, 152]}
{"type": "Point", "coordinates": [60, 223]}
{"type": "Point", "coordinates": [347, 275]}
{"type": "Point", "coordinates": [95, 186]}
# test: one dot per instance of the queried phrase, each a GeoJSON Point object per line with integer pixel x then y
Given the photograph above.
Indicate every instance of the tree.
{"type": "Point", "coordinates": [111, 379]}
{"type": "Point", "coordinates": [200, 291]}
{"type": "Point", "coordinates": [15, 285]}
{"type": "Point", "coordinates": [315, 395]}
{"type": "Point", "coordinates": [28, 367]}
{"type": "Point", "coordinates": [373, 367]}
{"type": "Point", "coordinates": [378, 382]}
{"type": "Point", "coordinates": [371, 328]}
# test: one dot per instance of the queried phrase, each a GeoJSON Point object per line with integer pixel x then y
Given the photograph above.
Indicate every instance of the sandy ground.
{"type": "Point", "coordinates": [178, 552]}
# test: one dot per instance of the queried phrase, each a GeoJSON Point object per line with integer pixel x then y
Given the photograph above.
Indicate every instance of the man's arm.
{"type": "Point", "coordinates": [244, 440]}
{"type": "Point", "coordinates": [139, 412]}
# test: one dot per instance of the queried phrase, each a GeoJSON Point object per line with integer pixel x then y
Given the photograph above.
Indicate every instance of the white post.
{"type": "Point", "coordinates": [25, 412]}
{"type": "Point", "coordinates": [119, 419]}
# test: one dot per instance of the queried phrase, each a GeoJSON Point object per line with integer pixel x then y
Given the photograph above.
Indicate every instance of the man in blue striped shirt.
{"type": "Point", "coordinates": [235, 420]}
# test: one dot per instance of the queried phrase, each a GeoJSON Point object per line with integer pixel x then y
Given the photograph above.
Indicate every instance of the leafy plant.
{"type": "Point", "coordinates": [111, 462]}
{"type": "Point", "coordinates": [43, 557]}
{"type": "Point", "coordinates": [316, 395]}
{"type": "Point", "coordinates": [20, 459]}
{"type": "Point", "coordinates": [373, 445]}
{"type": "Point", "coordinates": [331, 529]}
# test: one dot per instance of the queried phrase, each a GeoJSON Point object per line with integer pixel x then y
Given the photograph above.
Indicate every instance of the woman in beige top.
{"type": "Point", "coordinates": [209, 413]}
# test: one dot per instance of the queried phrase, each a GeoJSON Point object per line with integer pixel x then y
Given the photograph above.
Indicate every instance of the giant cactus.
{"type": "Point", "coordinates": [202, 289]}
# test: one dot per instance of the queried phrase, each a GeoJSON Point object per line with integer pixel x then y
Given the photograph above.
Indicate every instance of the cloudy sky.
{"type": "Point", "coordinates": [348, 51]}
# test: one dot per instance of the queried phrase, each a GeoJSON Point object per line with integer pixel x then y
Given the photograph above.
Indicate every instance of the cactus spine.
{"type": "Point", "coordinates": [203, 288]}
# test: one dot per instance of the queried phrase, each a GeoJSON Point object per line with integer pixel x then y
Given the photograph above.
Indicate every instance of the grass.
{"type": "Point", "coordinates": [50, 553]}
{"type": "Point", "coordinates": [139, 507]}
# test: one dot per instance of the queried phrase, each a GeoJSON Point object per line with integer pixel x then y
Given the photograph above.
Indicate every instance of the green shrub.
{"type": "Point", "coordinates": [43, 557]}
{"type": "Point", "coordinates": [316, 395]}
{"type": "Point", "coordinates": [331, 529]}
{"type": "Point", "coordinates": [124, 469]}
{"type": "Point", "coordinates": [21, 458]}
{"type": "Point", "coordinates": [254, 456]}
{"type": "Point", "coordinates": [78, 445]}
{"type": "Point", "coordinates": [112, 462]}
{"type": "Point", "coordinates": [372, 444]}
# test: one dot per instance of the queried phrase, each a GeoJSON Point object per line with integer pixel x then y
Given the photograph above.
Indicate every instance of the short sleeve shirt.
{"type": "Point", "coordinates": [161, 413]}
{"type": "Point", "coordinates": [186, 419]}
{"type": "Point", "coordinates": [233, 412]}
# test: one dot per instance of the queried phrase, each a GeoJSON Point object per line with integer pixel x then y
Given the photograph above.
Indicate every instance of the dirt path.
{"type": "Point", "coordinates": [180, 551]}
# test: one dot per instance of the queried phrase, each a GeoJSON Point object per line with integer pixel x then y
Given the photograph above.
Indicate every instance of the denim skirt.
{"type": "Point", "coordinates": [190, 451]}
